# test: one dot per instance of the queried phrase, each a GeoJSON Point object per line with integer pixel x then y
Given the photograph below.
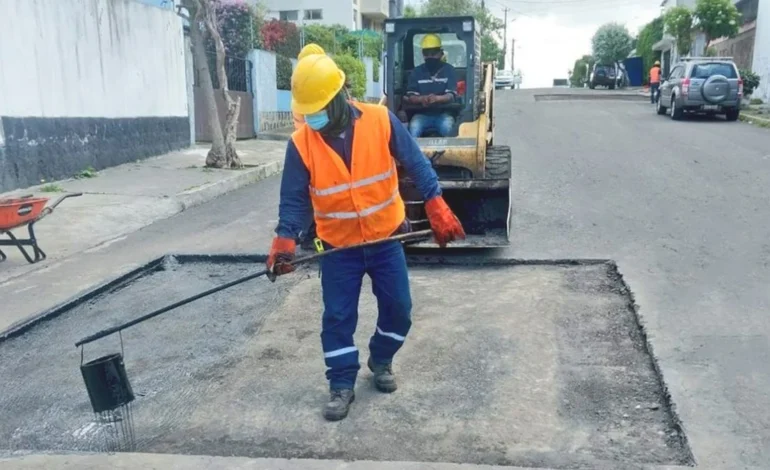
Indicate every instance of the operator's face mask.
{"type": "Point", "coordinates": [317, 121]}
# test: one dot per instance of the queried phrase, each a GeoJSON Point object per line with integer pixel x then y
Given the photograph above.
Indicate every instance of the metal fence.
{"type": "Point", "coordinates": [238, 72]}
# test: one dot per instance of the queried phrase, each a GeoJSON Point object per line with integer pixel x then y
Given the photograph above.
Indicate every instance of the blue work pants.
{"type": "Point", "coordinates": [341, 280]}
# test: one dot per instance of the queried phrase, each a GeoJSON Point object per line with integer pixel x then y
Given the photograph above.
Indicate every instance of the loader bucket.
{"type": "Point", "coordinates": [482, 205]}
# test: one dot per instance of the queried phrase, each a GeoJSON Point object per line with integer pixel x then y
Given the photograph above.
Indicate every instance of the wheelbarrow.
{"type": "Point", "coordinates": [25, 211]}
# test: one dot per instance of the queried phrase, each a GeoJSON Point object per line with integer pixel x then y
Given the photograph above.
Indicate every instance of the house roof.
{"type": "Point", "coordinates": [664, 44]}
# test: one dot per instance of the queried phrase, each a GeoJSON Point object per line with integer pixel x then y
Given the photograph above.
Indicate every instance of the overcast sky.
{"type": "Point", "coordinates": [551, 34]}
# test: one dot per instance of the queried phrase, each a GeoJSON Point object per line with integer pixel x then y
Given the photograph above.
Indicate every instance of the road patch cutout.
{"type": "Point", "coordinates": [540, 365]}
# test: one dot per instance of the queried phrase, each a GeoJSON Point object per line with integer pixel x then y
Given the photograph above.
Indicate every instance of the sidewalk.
{"type": "Point", "coordinates": [121, 200]}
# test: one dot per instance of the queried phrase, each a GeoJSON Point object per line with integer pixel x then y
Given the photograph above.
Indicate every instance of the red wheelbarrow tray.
{"type": "Point", "coordinates": [20, 211]}
{"type": "Point", "coordinates": [26, 210]}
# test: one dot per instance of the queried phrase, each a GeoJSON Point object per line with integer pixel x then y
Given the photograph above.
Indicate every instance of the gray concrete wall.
{"type": "Point", "coordinates": [190, 78]}
{"type": "Point", "coordinates": [761, 61]}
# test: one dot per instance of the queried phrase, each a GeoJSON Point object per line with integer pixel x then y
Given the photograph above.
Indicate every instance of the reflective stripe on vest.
{"type": "Point", "coordinates": [356, 184]}
{"type": "Point", "coordinates": [363, 213]}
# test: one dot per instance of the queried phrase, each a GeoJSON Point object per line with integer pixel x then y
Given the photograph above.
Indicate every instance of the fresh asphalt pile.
{"type": "Point", "coordinates": [517, 365]}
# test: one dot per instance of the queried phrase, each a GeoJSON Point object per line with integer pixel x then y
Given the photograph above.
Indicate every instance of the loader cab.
{"type": "Point", "coordinates": [459, 38]}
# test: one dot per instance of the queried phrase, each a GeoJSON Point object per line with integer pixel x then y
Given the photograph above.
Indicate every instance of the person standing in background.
{"type": "Point", "coordinates": [654, 82]}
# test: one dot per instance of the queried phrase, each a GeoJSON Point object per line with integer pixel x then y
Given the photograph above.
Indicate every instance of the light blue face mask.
{"type": "Point", "coordinates": [317, 121]}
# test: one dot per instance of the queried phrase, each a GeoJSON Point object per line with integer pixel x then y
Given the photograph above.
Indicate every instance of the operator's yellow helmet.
{"type": "Point", "coordinates": [431, 41]}
{"type": "Point", "coordinates": [314, 83]}
{"type": "Point", "coordinates": [310, 49]}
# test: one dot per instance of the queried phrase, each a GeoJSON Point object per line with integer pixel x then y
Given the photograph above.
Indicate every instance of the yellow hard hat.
{"type": "Point", "coordinates": [314, 83]}
{"type": "Point", "coordinates": [431, 41]}
{"type": "Point", "coordinates": [310, 49]}
{"type": "Point", "coordinates": [657, 62]}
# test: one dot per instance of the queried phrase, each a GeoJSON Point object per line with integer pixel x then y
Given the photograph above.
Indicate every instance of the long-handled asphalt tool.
{"type": "Point", "coordinates": [107, 381]}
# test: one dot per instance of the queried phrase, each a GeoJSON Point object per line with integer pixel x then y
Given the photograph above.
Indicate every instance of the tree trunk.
{"type": "Point", "coordinates": [231, 158]}
{"type": "Point", "coordinates": [196, 16]}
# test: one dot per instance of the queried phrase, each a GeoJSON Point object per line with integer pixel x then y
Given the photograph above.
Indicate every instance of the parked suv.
{"type": "Point", "coordinates": [706, 85]}
{"type": "Point", "coordinates": [602, 75]}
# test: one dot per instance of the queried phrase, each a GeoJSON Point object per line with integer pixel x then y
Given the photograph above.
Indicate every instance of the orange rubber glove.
{"type": "Point", "coordinates": [280, 257]}
{"type": "Point", "coordinates": [445, 224]}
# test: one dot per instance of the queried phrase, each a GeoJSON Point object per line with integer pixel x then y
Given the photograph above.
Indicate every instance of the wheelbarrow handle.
{"type": "Point", "coordinates": [419, 235]}
{"type": "Point", "coordinates": [49, 208]}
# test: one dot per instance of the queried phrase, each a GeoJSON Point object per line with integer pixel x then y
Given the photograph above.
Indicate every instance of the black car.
{"type": "Point", "coordinates": [603, 75]}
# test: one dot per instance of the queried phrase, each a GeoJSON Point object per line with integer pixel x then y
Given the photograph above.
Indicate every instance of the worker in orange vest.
{"type": "Point", "coordinates": [654, 82]}
{"type": "Point", "coordinates": [308, 235]}
{"type": "Point", "coordinates": [342, 164]}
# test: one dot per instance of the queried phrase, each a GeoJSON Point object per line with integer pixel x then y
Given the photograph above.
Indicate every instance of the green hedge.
{"type": "Point", "coordinates": [355, 72]}
{"type": "Point", "coordinates": [750, 81]}
{"type": "Point", "coordinates": [376, 70]}
{"type": "Point", "coordinates": [283, 70]}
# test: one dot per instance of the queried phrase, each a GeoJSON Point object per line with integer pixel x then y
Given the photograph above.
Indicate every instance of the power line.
{"type": "Point", "coordinates": [570, 6]}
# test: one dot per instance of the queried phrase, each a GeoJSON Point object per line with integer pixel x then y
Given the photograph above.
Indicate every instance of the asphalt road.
{"type": "Point", "coordinates": [682, 207]}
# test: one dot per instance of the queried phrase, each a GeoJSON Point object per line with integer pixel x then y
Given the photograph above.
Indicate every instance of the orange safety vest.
{"type": "Point", "coordinates": [360, 205]}
{"type": "Point", "coordinates": [655, 75]}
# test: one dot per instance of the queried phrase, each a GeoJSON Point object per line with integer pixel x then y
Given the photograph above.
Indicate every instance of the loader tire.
{"type": "Point", "coordinates": [498, 163]}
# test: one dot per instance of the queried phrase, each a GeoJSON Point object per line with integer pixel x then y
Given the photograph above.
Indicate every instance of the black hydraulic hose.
{"type": "Point", "coordinates": [412, 236]}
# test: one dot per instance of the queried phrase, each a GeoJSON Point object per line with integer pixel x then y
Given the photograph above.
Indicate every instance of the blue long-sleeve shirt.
{"type": "Point", "coordinates": [295, 209]}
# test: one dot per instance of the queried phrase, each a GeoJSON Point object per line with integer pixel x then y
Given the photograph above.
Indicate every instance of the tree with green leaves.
{"type": "Point", "coordinates": [410, 12]}
{"type": "Point", "coordinates": [717, 18]}
{"type": "Point", "coordinates": [678, 21]}
{"type": "Point", "coordinates": [611, 43]}
{"type": "Point", "coordinates": [580, 71]}
{"type": "Point", "coordinates": [650, 33]}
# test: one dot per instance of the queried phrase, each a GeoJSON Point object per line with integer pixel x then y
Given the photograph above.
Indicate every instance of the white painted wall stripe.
{"type": "Point", "coordinates": [90, 58]}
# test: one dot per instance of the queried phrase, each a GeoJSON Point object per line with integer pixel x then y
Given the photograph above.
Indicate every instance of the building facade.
{"type": "Point", "coordinates": [353, 14]}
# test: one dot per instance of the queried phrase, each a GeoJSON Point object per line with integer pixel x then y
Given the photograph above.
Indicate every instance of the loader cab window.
{"type": "Point", "coordinates": [454, 50]}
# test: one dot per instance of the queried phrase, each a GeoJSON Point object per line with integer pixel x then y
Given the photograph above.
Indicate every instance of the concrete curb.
{"type": "Point", "coordinates": [169, 461]}
{"type": "Point", "coordinates": [749, 118]}
{"type": "Point", "coordinates": [241, 178]}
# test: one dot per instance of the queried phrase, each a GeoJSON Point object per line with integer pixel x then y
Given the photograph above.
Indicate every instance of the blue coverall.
{"type": "Point", "coordinates": [423, 82]}
{"type": "Point", "coordinates": [342, 273]}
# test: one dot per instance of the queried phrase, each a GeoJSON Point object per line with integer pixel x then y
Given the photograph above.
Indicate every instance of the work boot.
{"type": "Point", "coordinates": [384, 379]}
{"type": "Point", "coordinates": [339, 404]}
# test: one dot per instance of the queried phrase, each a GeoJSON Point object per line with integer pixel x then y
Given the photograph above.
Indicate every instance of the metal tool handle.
{"type": "Point", "coordinates": [412, 236]}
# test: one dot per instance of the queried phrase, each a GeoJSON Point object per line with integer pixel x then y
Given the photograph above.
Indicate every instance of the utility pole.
{"type": "Point", "coordinates": [505, 35]}
{"type": "Point", "coordinates": [513, 54]}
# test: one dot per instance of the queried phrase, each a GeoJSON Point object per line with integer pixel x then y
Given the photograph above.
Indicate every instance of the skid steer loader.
{"type": "Point", "coordinates": [474, 174]}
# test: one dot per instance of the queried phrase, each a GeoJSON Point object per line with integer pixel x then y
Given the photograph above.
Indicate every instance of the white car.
{"type": "Point", "coordinates": [504, 79]}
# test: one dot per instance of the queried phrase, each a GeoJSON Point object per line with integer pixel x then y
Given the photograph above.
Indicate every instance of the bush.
{"type": "Point", "coordinates": [281, 37]}
{"type": "Point", "coordinates": [355, 72]}
{"type": "Point", "coordinates": [376, 71]}
{"type": "Point", "coordinates": [321, 35]}
{"type": "Point", "coordinates": [283, 70]}
{"type": "Point", "coordinates": [750, 81]}
{"type": "Point", "coordinates": [756, 101]}
{"type": "Point", "coordinates": [234, 21]}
